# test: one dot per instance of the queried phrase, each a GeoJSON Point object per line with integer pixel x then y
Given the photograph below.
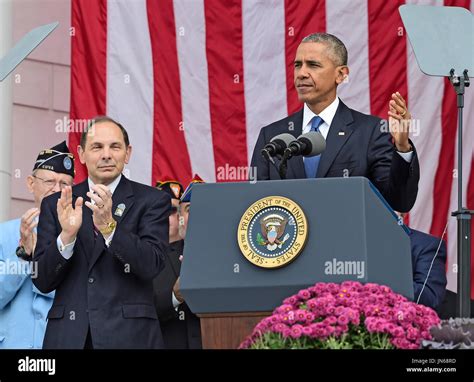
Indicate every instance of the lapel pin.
{"type": "Point", "coordinates": [342, 133]}
{"type": "Point", "coordinates": [119, 210]}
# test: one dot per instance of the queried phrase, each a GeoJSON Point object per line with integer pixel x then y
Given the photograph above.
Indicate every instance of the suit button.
{"type": "Point", "coordinates": [91, 280]}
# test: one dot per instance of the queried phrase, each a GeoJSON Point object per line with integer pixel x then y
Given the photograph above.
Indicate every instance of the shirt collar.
{"type": "Point", "coordinates": [327, 115]}
{"type": "Point", "coordinates": [112, 186]}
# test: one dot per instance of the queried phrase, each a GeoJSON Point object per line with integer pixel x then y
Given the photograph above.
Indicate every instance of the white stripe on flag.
{"type": "Point", "coordinates": [130, 81]}
{"type": "Point", "coordinates": [425, 98]}
{"type": "Point", "coordinates": [191, 47]}
{"type": "Point", "coordinates": [264, 65]}
{"type": "Point", "coordinates": [340, 22]}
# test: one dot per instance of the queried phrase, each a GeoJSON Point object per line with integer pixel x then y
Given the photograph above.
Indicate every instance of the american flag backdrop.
{"type": "Point", "coordinates": [193, 81]}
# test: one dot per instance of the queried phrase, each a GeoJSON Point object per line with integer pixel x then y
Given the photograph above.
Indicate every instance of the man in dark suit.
{"type": "Point", "coordinates": [356, 144]}
{"type": "Point", "coordinates": [181, 328]}
{"type": "Point", "coordinates": [428, 254]}
{"type": "Point", "coordinates": [102, 258]}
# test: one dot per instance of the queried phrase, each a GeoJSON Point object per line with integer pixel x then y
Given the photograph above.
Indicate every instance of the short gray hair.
{"type": "Point", "coordinates": [338, 51]}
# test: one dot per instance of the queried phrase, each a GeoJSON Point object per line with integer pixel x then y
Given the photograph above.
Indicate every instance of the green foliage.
{"type": "Point", "coordinates": [356, 338]}
{"type": "Point", "coordinates": [260, 239]}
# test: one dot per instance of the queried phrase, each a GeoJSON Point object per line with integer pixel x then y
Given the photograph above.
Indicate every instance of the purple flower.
{"type": "Point", "coordinates": [307, 331]}
{"type": "Point", "coordinates": [412, 333]}
{"type": "Point", "coordinates": [286, 333]}
{"type": "Point", "coordinates": [327, 309]}
{"type": "Point", "coordinates": [279, 328]}
{"type": "Point", "coordinates": [300, 315]}
{"type": "Point", "coordinates": [289, 317]}
{"type": "Point", "coordinates": [291, 301]}
{"type": "Point", "coordinates": [343, 319]}
{"type": "Point", "coordinates": [319, 330]}
{"type": "Point", "coordinates": [340, 329]}
{"type": "Point", "coordinates": [312, 304]}
{"type": "Point", "coordinates": [397, 332]}
{"type": "Point", "coordinates": [296, 331]}
{"type": "Point", "coordinates": [284, 308]}
{"type": "Point", "coordinates": [304, 294]}
{"type": "Point", "coordinates": [330, 320]}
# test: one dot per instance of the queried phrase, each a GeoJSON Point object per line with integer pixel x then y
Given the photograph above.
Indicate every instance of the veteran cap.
{"type": "Point", "coordinates": [186, 197]}
{"type": "Point", "coordinates": [171, 187]}
{"type": "Point", "coordinates": [58, 159]}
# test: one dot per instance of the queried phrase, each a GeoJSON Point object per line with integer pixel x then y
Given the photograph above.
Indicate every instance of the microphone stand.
{"type": "Point", "coordinates": [267, 156]}
{"type": "Point", "coordinates": [284, 163]}
{"type": "Point", "coordinates": [280, 169]}
{"type": "Point", "coordinates": [463, 215]}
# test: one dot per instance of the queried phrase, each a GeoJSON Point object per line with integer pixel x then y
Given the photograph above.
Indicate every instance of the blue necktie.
{"type": "Point", "coordinates": [311, 163]}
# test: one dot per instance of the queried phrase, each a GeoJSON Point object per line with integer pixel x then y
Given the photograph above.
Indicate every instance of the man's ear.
{"type": "Point", "coordinates": [342, 74]}
{"type": "Point", "coordinates": [129, 154]}
{"type": "Point", "coordinates": [80, 152]}
{"type": "Point", "coordinates": [29, 183]}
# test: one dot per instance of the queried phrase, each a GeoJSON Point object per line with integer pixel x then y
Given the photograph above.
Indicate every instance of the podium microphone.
{"type": "Point", "coordinates": [308, 145]}
{"type": "Point", "coordinates": [277, 146]}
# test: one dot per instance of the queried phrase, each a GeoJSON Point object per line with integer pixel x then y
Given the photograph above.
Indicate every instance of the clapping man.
{"type": "Point", "coordinates": [100, 245]}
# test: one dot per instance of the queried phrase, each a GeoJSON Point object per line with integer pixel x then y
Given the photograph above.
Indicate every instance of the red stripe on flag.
{"type": "Point", "coordinates": [301, 19]}
{"type": "Point", "coordinates": [387, 54]}
{"type": "Point", "coordinates": [88, 69]}
{"type": "Point", "coordinates": [170, 152]}
{"type": "Point", "coordinates": [224, 51]}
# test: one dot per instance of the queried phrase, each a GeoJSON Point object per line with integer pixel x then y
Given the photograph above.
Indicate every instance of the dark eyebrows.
{"type": "Point", "coordinates": [308, 62]}
{"type": "Point", "coordinates": [100, 144]}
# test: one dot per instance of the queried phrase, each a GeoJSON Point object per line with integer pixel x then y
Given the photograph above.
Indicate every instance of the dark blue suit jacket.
{"type": "Point", "coordinates": [109, 290]}
{"type": "Point", "coordinates": [180, 327]}
{"type": "Point", "coordinates": [363, 148]}
{"type": "Point", "coordinates": [423, 249]}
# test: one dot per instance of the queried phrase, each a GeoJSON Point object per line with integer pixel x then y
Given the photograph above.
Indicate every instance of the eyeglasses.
{"type": "Point", "coordinates": [50, 183]}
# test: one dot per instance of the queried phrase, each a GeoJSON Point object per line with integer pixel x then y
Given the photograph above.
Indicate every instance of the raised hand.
{"type": "Point", "coordinates": [102, 209]}
{"type": "Point", "coordinates": [399, 122]}
{"type": "Point", "coordinates": [27, 225]}
{"type": "Point", "coordinates": [69, 216]}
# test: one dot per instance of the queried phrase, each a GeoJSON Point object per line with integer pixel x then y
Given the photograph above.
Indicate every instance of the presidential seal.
{"type": "Point", "coordinates": [272, 232]}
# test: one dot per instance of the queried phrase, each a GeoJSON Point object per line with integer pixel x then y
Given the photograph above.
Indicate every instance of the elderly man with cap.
{"type": "Point", "coordinates": [180, 327]}
{"type": "Point", "coordinates": [23, 308]}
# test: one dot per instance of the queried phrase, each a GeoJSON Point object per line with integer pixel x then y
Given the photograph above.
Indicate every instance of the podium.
{"type": "Point", "coordinates": [352, 234]}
